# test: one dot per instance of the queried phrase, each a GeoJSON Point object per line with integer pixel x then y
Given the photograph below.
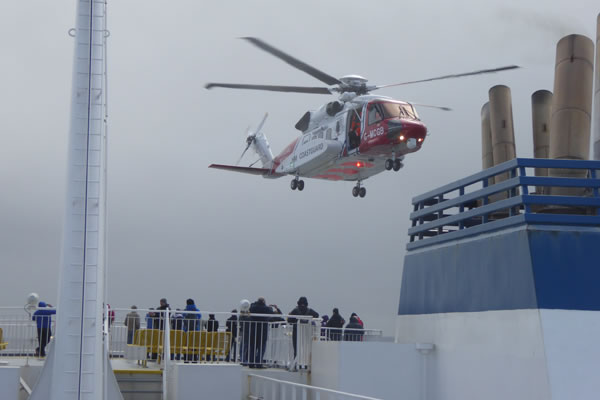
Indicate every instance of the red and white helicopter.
{"type": "Point", "coordinates": [351, 139]}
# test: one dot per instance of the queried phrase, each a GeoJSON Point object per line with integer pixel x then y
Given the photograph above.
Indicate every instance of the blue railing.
{"type": "Point", "coordinates": [471, 205]}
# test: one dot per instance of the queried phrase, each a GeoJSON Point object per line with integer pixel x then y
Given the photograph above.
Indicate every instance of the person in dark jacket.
{"type": "Point", "coordinates": [191, 319]}
{"type": "Point", "coordinates": [132, 322]}
{"type": "Point", "coordinates": [161, 316]}
{"type": "Point", "coordinates": [355, 315]}
{"type": "Point", "coordinates": [212, 324]}
{"type": "Point", "coordinates": [302, 309]}
{"type": "Point", "coordinates": [43, 320]}
{"type": "Point", "coordinates": [231, 325]}
{"type": "Point", "coordinates": [258, 332]}
{"type": "Point", "coordinates": [336, 321]}
{"type": "Point", "coordinates": [354, 331]}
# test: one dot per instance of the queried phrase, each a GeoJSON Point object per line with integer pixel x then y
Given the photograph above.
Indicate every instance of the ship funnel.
{"type": "Point", "coordinates": [571, 106]}
{"type": "Point", "coordinates": [503, 134]}
{"type": "Point", "coordinates": [541, 107]}
{"type": "Point", "coordinates": [487, 154]}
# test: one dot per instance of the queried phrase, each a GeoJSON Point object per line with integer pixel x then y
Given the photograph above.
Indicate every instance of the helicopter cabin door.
{"type": "Point", "coordinates": [374, 123]}
{"type": "Point", "coordinates": [354, 129]}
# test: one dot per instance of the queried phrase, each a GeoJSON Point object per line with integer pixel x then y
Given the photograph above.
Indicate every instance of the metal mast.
{"type": "Point", "coordinates": [76, 365]}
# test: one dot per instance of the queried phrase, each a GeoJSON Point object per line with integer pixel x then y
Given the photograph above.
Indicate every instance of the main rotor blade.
{"type": "Point", "coordinates": [294, 62]}
{"type": "Point", "coordinates": [483, 71]}
{"type": "Point", "coordinates": [430, 106]}
{"type": "Point", "coordinates": [272, 88]}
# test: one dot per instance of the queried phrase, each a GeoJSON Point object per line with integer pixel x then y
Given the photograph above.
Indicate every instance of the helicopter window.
{"type": "Point", "coordinates": [321, 135]}
{"type": "Point", "coordinates": [337, 126]}
{"type": "Point", "coordinates": [306, 139]}
{"type": "Point", "coordinates": [397, 110]}
{"type": "Point", "coordinates": [328, 134]}
{"type": "Point", "coordinates": [374, 113]}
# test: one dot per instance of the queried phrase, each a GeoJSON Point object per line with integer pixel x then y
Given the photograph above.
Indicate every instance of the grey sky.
{"type": "Point", "coordinates": [178, 229]}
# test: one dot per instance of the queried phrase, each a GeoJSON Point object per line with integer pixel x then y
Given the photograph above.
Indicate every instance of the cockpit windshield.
{"type": "Point", "coordinates": [399, 110]}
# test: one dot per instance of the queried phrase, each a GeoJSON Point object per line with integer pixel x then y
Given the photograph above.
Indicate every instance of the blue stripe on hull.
{"type": "Point", "coordinates": [520, 269]}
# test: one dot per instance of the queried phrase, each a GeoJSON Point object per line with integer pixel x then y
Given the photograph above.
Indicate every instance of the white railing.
{"type": "Point", "coordinates": [350, 334]}
{"type": "Point", "coordinates": [265, 388]}
{"type": "Point", "coordinates": [253, 340]}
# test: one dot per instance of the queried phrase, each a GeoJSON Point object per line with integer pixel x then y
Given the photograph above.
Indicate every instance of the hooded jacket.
{"type": "Point", "coordinates": [336, 321]}
{"type": "Point", "coordinates": [302, 309]}
{"type": "Point", "coordinates": [192, 321]}
{"type": "Point", "coordinates": [43, 317]}
{"type": "Point", "coordinates": [356, 333]}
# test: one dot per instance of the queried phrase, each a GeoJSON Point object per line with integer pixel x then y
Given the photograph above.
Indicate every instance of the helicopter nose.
{"type": "Point", "coordinates": [414, 130]}
{"type": "Point", "coordinates": [406, 130]}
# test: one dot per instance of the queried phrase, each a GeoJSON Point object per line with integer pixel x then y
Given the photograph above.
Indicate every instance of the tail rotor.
{"type": "Point", "coordinates": [251, 137]}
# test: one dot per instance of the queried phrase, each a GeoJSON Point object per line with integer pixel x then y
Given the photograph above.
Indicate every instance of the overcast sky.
{"type": "Point", "coordinates": [178, 229]}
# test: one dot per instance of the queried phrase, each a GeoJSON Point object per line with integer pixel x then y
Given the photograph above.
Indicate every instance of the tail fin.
{"type": "Point", "coordinates": [261, 146]}
{"type": "Point", "coordinates": [259, 143]}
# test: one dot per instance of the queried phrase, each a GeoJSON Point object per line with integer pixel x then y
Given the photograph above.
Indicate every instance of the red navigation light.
{"type": "Point", "coordinates": [401, 137]}
{"type": "Point", "coordinates": [358, 164]}
{"type": "Point", "coordinates": [420, 139]}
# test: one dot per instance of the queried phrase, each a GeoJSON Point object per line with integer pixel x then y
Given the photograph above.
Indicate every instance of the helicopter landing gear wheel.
{"type": "Point", "coordinates": [294, 184]}
{"type": "Point", "coordinates": [358, 190]}
{"type": "Point", "coordinates": [300, 185]}
{"type": "Point", "coordinates": [397, 165]}
{"type": "Point", "coordinates": [389, 164]}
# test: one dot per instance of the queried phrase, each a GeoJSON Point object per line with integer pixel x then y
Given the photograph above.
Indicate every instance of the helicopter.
{"type": "Point", "coordinates": [349, 139]}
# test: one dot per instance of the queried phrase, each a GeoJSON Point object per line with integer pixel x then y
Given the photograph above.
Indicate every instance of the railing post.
{"type": "Point", "coordinates": [249, 381]}
{"type": "Point", "coordinates": [166, 349]}
{"type": "Point", "coordinates": [414, 221]}
{"type": "Point", "coordinates": [524, 189]}
{"type": "Point", "coordinates": [106, 347]}
{"type": "Point", "coordinates": [461, 209]}
{"type": "Point", "coordinates": [485, 200]}
{"type": "Point", "coordinates": [440, 215]}
{"type": "Point", "coordinates": [421, 206]}
{"type": "Point", "coordinates": [595, 189]}
{"type": "Point", "coordinates": [512, 191]}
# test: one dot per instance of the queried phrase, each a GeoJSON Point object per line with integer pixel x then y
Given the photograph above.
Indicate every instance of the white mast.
{"type": "Point", "coordinates": [77, 361]}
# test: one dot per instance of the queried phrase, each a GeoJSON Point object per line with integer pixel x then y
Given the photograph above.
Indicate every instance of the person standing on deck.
{"type": "Point", "coordinates": [192, 319]}
{"type": "Point", "coordinates": [354, 331]}
{"type": "Point", "coordinates": [302, 309]}
{"type": "Point", "coordinates": [232, 327]}
{"type": "Point", "coordinates": [132, 322]}
{"type": "Point", "coordinates": [245, 321]}
{"type": "Point", "coordinates": [336, 321]}
{"type": "Point", "coordinates": [161, 316]}
{"type": "Point", "coordinates": [212, 324]}
{"type": "Point", "coordinates": [258, 332]}
{"type": "Point", "coordinates": [43, 319]}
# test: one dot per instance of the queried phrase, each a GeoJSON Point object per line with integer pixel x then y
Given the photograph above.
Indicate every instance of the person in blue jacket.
{"type": "Point", "coordinates": [191, 320]}
{"type": "Point", "coordinates": [43, 319]}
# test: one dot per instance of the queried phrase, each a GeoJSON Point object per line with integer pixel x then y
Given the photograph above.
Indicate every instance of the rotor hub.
{"type": "Point", "coordinates": [354, 83]}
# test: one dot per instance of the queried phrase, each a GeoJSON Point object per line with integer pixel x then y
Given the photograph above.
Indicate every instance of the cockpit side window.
{"type": "Point", "coordinates": [397, 110]}
{"type": "Point", "coordinates": [374, 113]}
